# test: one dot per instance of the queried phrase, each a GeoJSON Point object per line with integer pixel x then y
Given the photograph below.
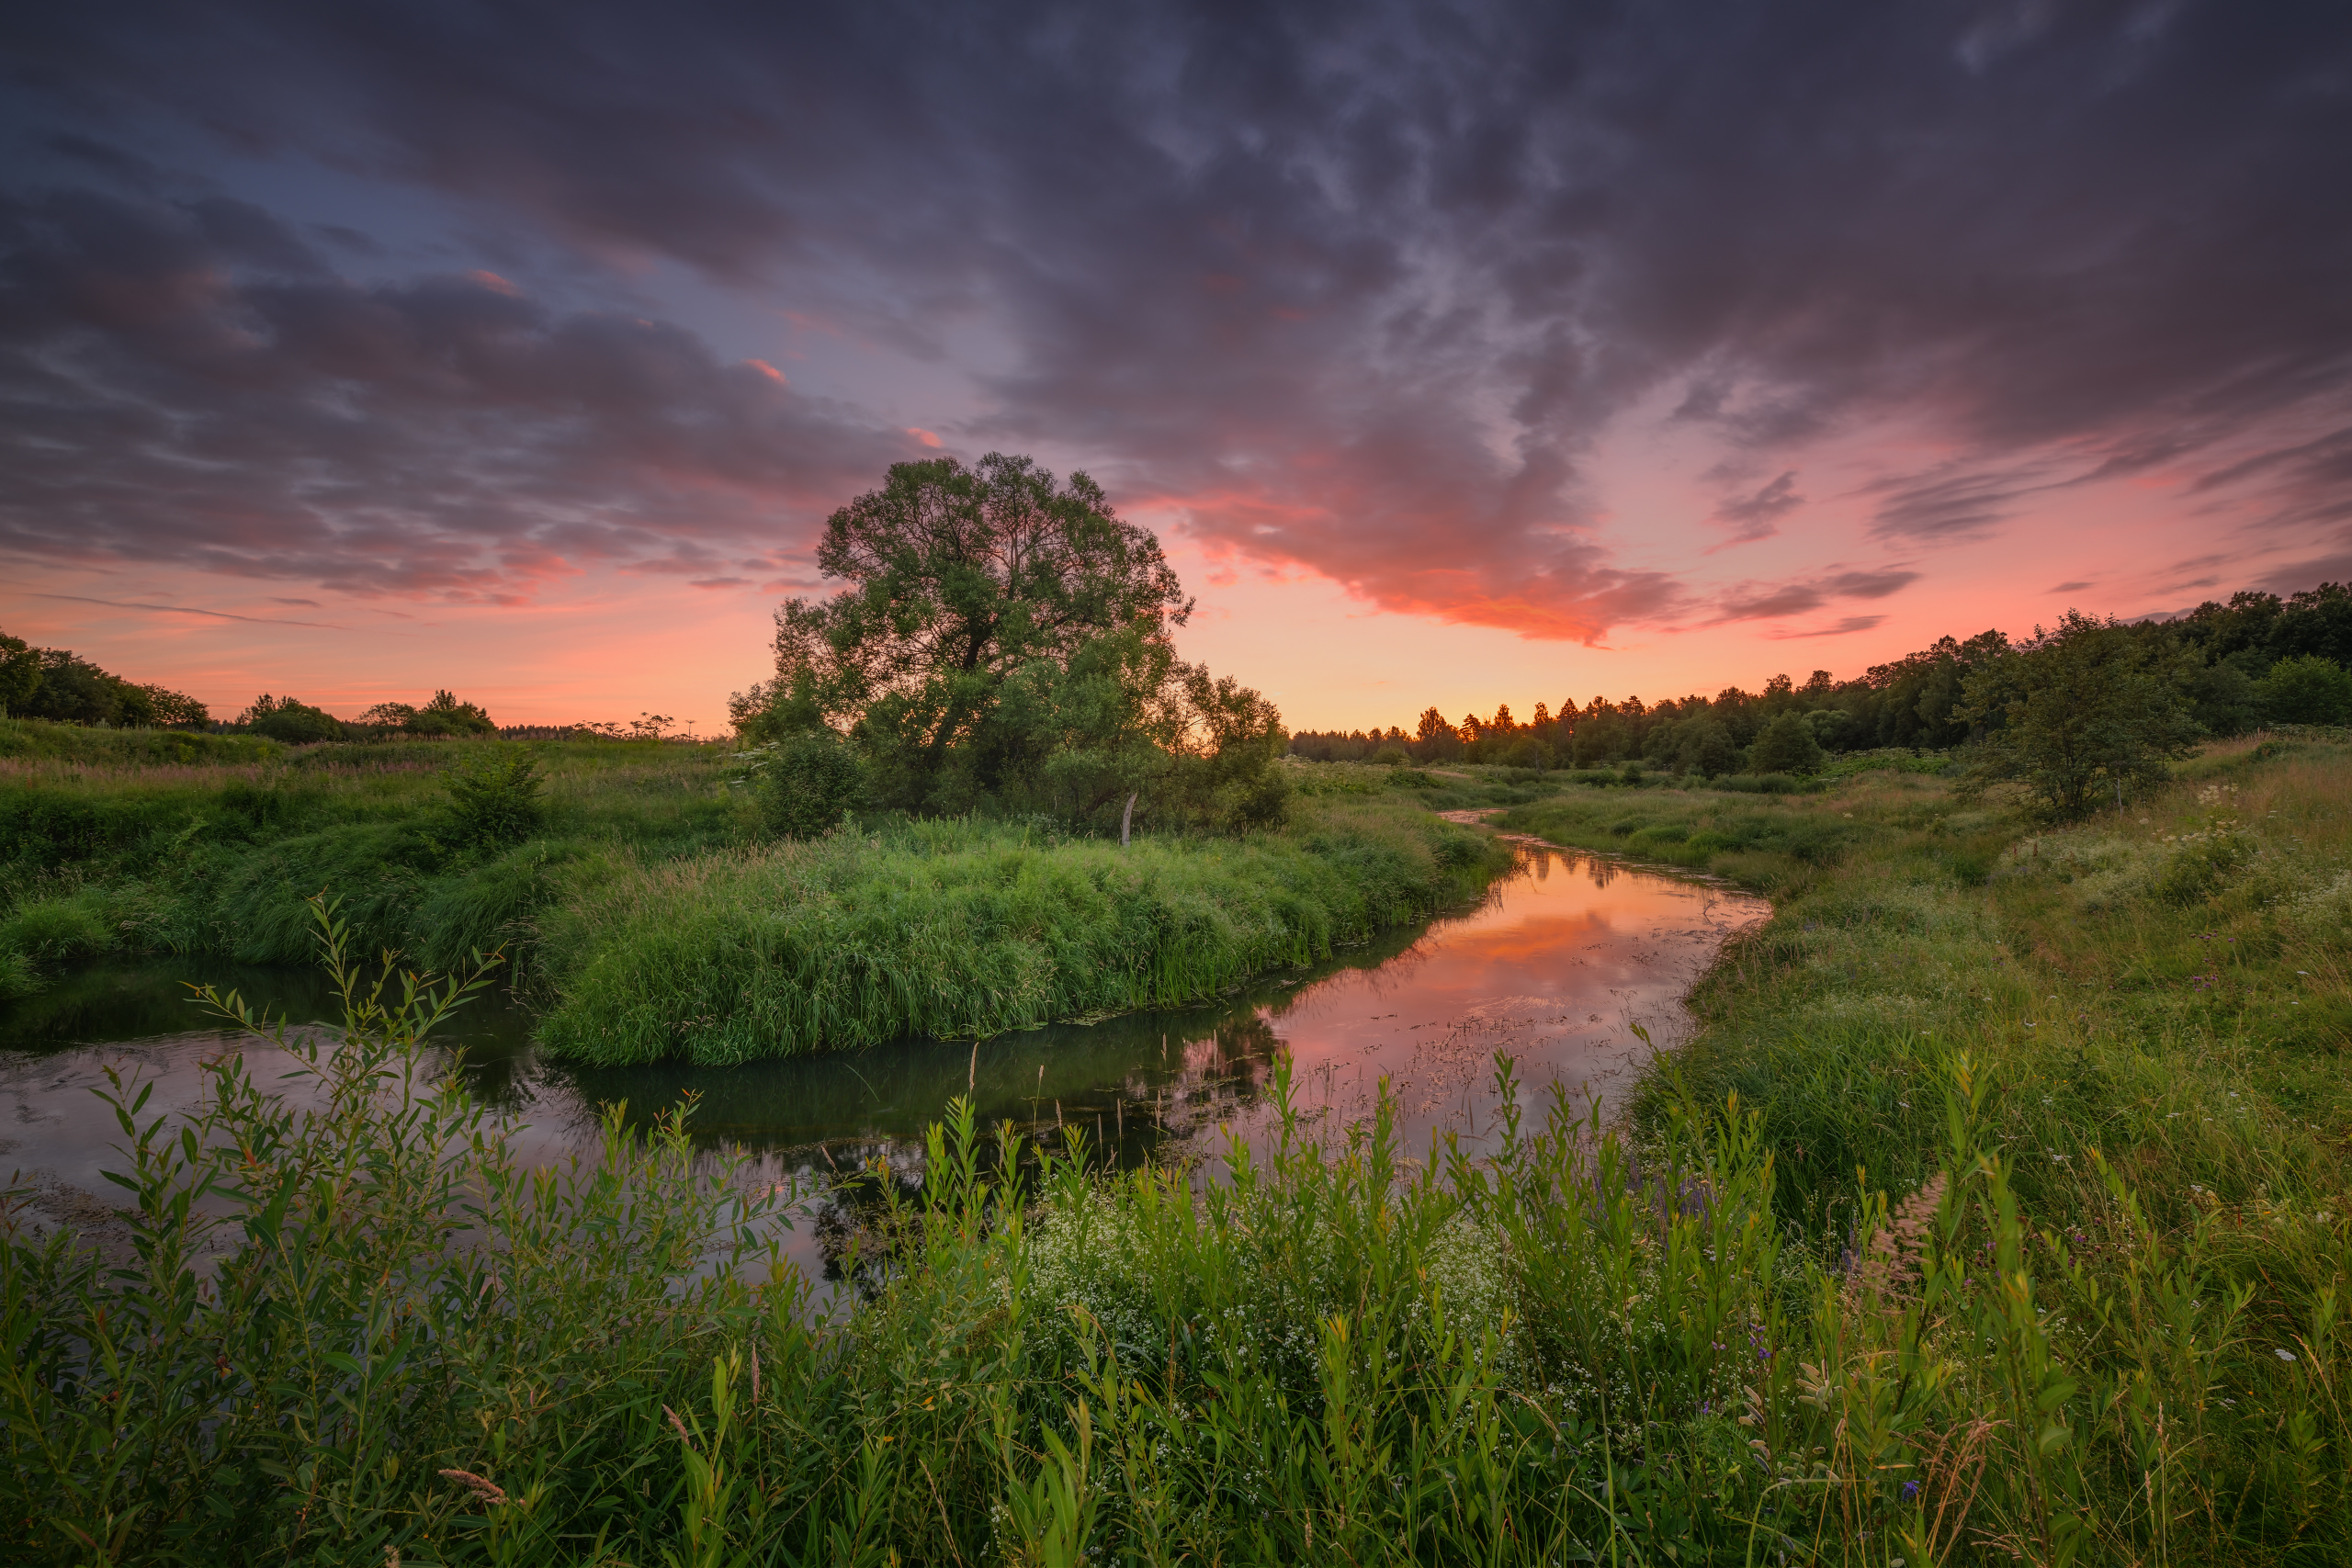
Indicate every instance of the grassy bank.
{"type": "Point", "coordinates": [651, 917]}
{"type": "Point", "coordinates": [114, 844]}
{"type": "Point", "coordinates": [962, 928]}
{"type": "Point", "coordinates": [2139, 981]}
{"type": "Point", "coordinates": [2155, 1008]}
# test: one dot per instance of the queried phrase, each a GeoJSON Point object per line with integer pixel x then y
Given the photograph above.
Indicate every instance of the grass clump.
{"type": "Point", "coordinates": [970, 928]}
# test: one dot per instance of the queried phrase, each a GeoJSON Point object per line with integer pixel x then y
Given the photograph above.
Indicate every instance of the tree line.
{"type": "Point", "coordinates": [2224, 668]}
{"type": "Point", "coordinates": [58, 685]}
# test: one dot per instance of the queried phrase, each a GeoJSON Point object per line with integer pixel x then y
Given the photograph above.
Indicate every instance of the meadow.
{"type": "Point", "coordinates": [1996, 1213]}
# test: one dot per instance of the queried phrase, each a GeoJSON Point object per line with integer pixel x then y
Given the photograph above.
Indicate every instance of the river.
{"type": "Point", "coordinates": [1555, 966]}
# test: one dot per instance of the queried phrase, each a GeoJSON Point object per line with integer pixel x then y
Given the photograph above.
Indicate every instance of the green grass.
{"type": "Point", "coordinates": [75, 743]}
{"type": "Point", "coordinates": [110, 848]}
{"type": "Point", "coordinates": [650, 916]}
{"type": "Point", "coordinates": [962, 928]}
{"type": "Point", "coordinates": [1679, 1342]}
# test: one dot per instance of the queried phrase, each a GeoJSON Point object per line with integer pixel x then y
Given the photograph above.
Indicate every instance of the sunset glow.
{"type": "Point", "coordinates": [1458, 359]}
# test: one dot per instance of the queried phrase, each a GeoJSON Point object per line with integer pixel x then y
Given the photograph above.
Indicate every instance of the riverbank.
{"type": "Point", "coordinates": [2152, 1010]}
{"type": "Point", "coordinates": [646, 913]}
{"type": "Point", "coordinates": [2081, 1303]}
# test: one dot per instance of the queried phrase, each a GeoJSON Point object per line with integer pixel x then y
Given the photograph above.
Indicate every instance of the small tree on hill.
{"type": "Point", "coordinates": [495, 799]}
{"type": "Point", "coordinates": [2089, 708]}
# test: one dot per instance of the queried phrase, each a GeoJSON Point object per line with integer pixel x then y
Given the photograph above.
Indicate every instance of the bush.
{"type": "Point", "coordinates": [1786, 746]}
{"type": "Point", "coordinates": [805, 783]}
{"type": "Point", "coordinates": [495, 799]}
{"type": "Point", "coordinates": [2307, 690]}
{"type": "Point", "coordinates": [294, 723]}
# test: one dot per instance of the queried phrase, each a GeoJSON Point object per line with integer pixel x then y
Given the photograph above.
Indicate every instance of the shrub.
{"type": "Point", "coordinates": [2307, 690]}
{"type": "Point", "coordinates": [805, 782]}
{"type": "Point", "coordinates": [495, 799]}
{"type": "Point", "coordinates": [294, 723]}
{"type": "Point", "coordinates": [1786, 746]}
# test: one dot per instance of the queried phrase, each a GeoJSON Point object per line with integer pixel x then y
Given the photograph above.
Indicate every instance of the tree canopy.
{"type": "Point", "coordinates": [443, 715]}
{"type": "Point", "coordinates": [2086, 707]}
{"type": "Point", "coordinates": [1005, 637]}
{"type": "Point", "coordinates": [59, 685]}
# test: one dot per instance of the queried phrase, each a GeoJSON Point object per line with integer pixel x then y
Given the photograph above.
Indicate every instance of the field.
{"type": "Point", "coordinates": [1996, 1214]}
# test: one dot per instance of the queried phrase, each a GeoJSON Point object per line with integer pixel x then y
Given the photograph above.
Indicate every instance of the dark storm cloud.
{"type": "Point", "coordinates": [191, 385]}
{"type": "Point", "coordinates": [1358, 285]}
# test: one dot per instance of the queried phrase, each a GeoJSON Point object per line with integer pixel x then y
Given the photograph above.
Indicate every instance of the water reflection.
{"type": "Point", "coordinates": [1555, 967]}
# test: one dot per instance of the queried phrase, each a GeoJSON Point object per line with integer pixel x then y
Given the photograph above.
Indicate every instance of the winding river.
{"type": "Point", "coordinates": [1565, 957]}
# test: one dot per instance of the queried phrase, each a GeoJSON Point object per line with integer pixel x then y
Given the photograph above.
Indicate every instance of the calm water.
{"type": "Point", "coordinates": [1555, 966]}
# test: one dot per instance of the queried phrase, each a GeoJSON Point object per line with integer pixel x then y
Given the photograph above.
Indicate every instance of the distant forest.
{"type": "Point", "coordinates": [62, 687]}
{"type": "Point", "coordinates": [2255, 660]}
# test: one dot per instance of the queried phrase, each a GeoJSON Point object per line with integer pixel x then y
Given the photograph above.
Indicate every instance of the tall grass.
{"type": "Point", "coordinates": [109, 851]}
{"type": "Point", "coordinates": [362, 1335]}
{"type": "Point", "coordinates": [968, 928]}
{"type": "Point", "coordinates": [2158, 1004]}
{"type": "Point", "coordinates": [650, 912]}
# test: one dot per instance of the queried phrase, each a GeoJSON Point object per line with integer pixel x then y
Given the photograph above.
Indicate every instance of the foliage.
{"type": "Point", "coordinates": [60, 686]}
{"type": "Point", "coordinates": [2080, 1304]}
{"type": "Point", "coordinates": [19, 674]}
{"type": "Point", "coordinates": [1787, 746]}
{"type": "Point", "coordinates": [1003, 644]}
{"type": "Point", "coordinates": [2082, 709]}
{"type": "Point", "coordinates": [495, 797]}
{"type": "Point", "coordinates": [2216, 656]}
{"type": "Point", "coordinates": [206, 844]}
{"type": "Point", "coordinates": [804, 782]}
{"type": "Point", "coordinates": [343, 1295]}
{"type": "Point", "coordinates": [290, 721]}
{"type": "Point", "coordinates": [2306, 689]}
{"type": "Point", "coordinates": [966, 928]}
{"type": "Point", "coordinates": [444, 715]}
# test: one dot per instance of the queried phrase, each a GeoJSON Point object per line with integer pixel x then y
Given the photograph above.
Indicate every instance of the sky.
{"type": "Point", "coordinates": [1460, 354]}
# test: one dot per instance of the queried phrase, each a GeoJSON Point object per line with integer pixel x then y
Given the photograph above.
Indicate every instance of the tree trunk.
{"type": "Point", "coordinates": [1126, 816]}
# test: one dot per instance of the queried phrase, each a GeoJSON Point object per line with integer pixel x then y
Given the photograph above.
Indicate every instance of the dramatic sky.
{"type": "Point", "coordinates": [1461, 353]}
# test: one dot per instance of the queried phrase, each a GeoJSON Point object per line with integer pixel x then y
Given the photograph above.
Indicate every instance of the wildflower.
{"type": "Point", "coordinates": [488, 1491]}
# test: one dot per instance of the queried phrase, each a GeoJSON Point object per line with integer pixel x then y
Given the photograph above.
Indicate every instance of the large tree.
{"type": "Point", "coordinates": [1000, 632]}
